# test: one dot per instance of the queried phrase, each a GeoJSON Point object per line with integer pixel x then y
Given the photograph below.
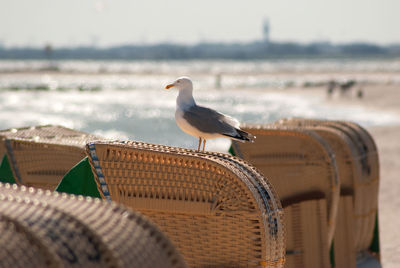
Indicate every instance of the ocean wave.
{"type": "Point", "coordinates": [96, 82]}
{"type": "Point", "coordinates": [201, 66]}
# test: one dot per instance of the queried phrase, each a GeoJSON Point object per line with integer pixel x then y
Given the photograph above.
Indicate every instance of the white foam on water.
{"type": "Point", "coordinates": [101, 75]}
{"type": "Point", "coordinates": [148, 114]}
{"type": "Point", "coordinates": [204, 66]}
{"type": "Point", "coordinates": [113, 134]}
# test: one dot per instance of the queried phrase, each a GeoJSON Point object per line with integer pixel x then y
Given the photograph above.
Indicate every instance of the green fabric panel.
{"type": "Point", "coordinates": [6, 174]}
{"type": "Point", "coordinates": [231, 150]}
{"type": "Point", "coordinates": [374, 247]}
{"type": "Point", "coordinates": [79, 180]}
{"type": "Point", "coordinates": [332, 255]}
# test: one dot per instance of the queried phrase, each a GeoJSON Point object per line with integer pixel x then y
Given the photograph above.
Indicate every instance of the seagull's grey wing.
{"type": "Point", "coordinates": [210, 121]}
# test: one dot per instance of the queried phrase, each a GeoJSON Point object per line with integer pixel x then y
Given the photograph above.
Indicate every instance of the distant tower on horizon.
{"type": "Point", "coordinates": [266, 30]}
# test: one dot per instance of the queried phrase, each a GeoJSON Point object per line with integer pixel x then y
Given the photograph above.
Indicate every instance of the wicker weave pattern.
{"type": "Point", "coordinates": [348, 167]}
{"type": "Point", "coordinates": [302, 168]}
{"type": "Point", "coordinates": [294, 154]}
{"type": "Point", "coordinates": [85, 233]}
{"type": "Point", "coordinates": [367, 206]}
{"type": "Point", "coordinates": [344, 247]}
{"type": "Point", "coordinates": [300, 220]}
{"type": "Point", "coordinates": [50, 134]}
{"type": "Point", "coordinates": [365, 182]}
{"type": "Point", "coordinates": [218, 210]}
{"type": "Point", "coordinates": [19, 248]}
{"type": "Point", "coordinates": [40, 156]}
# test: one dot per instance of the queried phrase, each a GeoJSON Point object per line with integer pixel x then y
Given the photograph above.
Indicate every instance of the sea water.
{"type": "Point", "coordinates": [127, 100]}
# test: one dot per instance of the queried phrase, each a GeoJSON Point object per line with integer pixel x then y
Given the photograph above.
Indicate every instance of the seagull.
{"type": "Point", "coordinates": [202, 122]}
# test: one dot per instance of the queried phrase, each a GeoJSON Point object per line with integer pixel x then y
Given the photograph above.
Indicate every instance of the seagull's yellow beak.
{"type": "Point", "coordinates": [169, 86]}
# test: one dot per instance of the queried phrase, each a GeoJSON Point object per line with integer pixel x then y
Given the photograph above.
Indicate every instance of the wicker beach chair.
{"type": "Point", "coordinates": [368, 215]}
{"type": "Point", "coordinates": [218, 210]}
{"type": "Point", "coordinates": [43, 229]}
{"type": "Point", "coordinates": [348, 168]}
{"type": "Point", "coordinates": [364, 182]}
{"type": "Point", "coordinates": [302, 168]}
{"type": "Point", "coordinates": [40, 156]}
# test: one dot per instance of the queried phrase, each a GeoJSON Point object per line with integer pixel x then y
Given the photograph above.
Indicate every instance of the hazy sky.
{"type": "Point", "coordinates": [112, 22]}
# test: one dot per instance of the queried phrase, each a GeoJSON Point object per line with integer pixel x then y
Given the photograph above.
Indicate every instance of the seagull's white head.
{"type": "Point", "coordinates": [181, 83]}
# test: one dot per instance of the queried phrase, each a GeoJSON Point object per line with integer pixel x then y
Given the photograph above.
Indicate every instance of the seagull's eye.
{"type": "Point", "coordinates": [178, 81]}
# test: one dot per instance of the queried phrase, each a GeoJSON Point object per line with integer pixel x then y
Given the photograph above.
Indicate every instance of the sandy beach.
{"type": "Point", "coordinates": [387, 138]}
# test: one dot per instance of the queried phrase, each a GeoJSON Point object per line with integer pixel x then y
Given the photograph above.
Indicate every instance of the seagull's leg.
{"type": "Point", "coordinates": [204, 144]}
{"type": "Point", "coordinates": [198, 149]}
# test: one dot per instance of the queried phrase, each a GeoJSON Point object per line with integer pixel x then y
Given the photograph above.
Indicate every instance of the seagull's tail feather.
{"type": "Point", "coordinates": [242, 136]}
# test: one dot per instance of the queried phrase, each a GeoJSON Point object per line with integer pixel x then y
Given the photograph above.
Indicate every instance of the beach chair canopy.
{"type": "Point", "coordinates": [358, 166]}
{"type": "Point", "coordinates": [44, 229]}
{"type": "Point", "coordinates": [40, 156]}
{"type": "Point", "coordinates": [302, 168]}
{"type": "Point", "coordinates": [217, 209]}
